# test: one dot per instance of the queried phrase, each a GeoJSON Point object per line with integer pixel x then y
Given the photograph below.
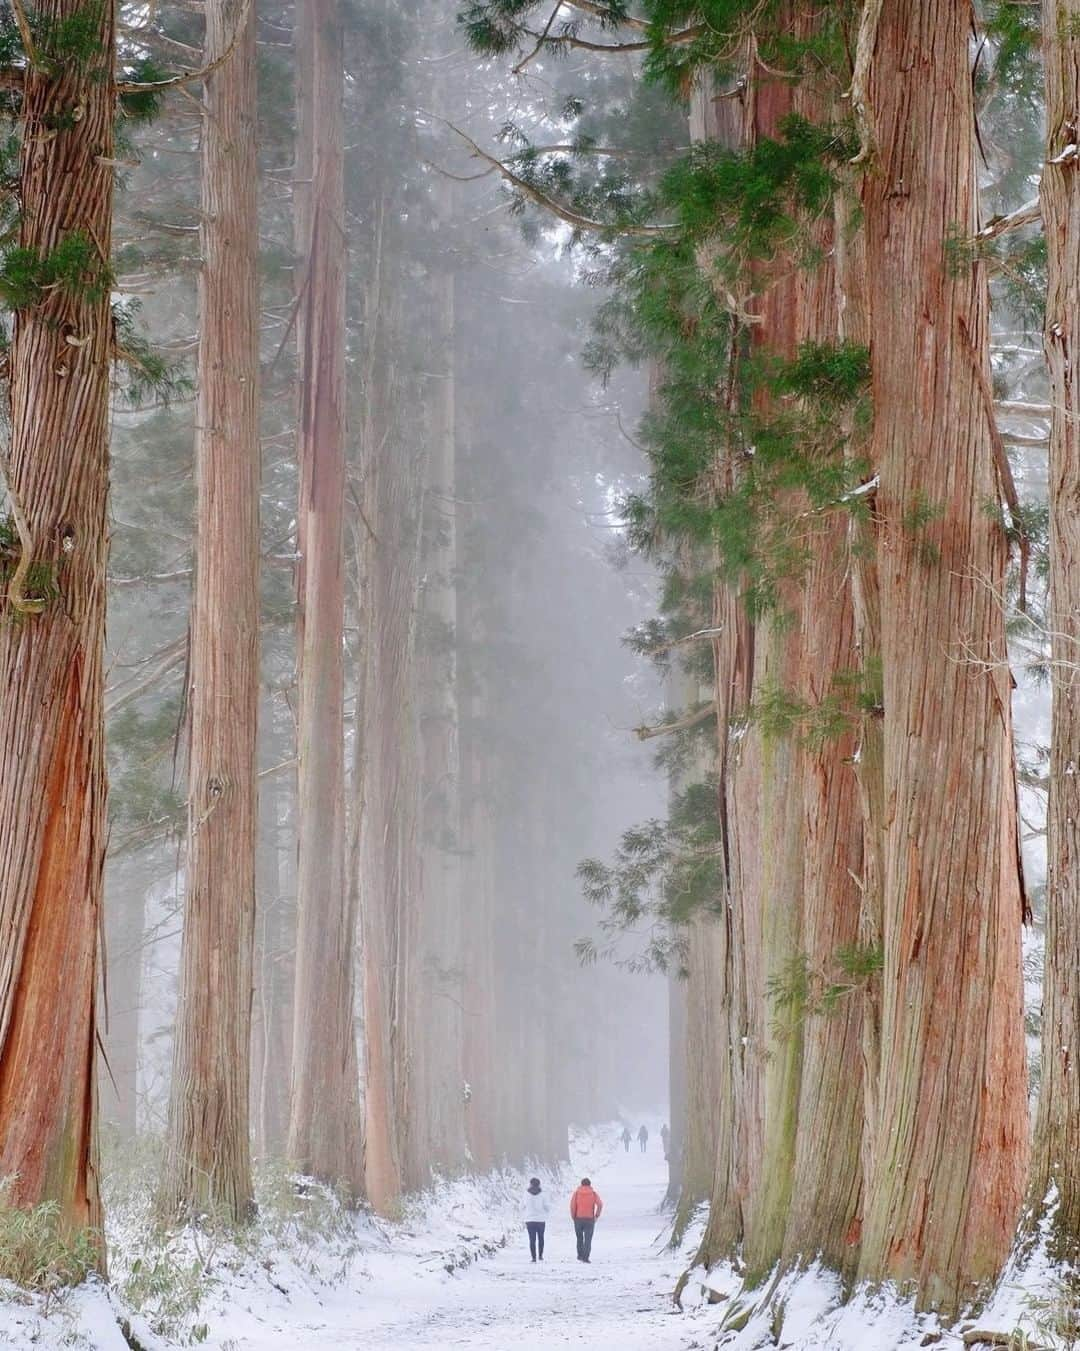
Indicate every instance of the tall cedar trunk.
{"type": "Point", "coordinates": [826, 1181]}
{"type": "Point", "coordinates": [869, 757]}
{"type": "Point", "coordinates": [440, 955]}
{"type": "Point", "coordinates": [827, 1166]}
{"type": "Point", "coordinates": [678, 1082]}
{"type": "Point", "coordinates": [324, 1126]}
{"type": "Point", "coordinates": [52, 799]}
{"type": "Point", "coordinates": [382, 1146]}
{"type": "Point", "coordinates": [271, 1030]}
{"type": "Point", "coordinates": [390, 881]}
{"type": "Point", "coordinates": [208, 1169]}
{"type": "Point", "coordinates": [719, 120]}
{"type": "Point", "coordinates": [772, 883]}
{"type": "Point", "coordinates": [951, 1131]}
{"type": "Point", "coordinates": [1056, 1156]}
{"type": "Point", "coordinates": [477, 808]}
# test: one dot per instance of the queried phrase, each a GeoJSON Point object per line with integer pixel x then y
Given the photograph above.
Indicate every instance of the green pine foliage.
{"type": "Point", "coordinates": [663, 873]}
{"type": "Point", "coordinates": [75, 268]}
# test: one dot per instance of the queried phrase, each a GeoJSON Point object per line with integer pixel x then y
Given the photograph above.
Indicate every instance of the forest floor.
{"type": "Point", "coordinates": [454, 1272]}
{"type": "Point", "coordinates": [622, 1299]}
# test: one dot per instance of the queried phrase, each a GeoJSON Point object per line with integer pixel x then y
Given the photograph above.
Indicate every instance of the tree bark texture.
{"type": "Point", "coordinates": [1056, 1154]}
{"type": "Point", "coordinates": [720, 1123]}
{"type": "Point", "coordinates": [325, 1121]}
{"type": "Point", "coordinates": [208, 1169]}
{"type": "Point", "coordinates": [951, 1131]}
{"type": "Point", "coordinates": [52, 799]}
{"type": "Point", "coordinates": [826, 1185]}
{"type": "Point", "coordinates": [772, 885]}
{"type": "Point", "coordinates": [275, 942]}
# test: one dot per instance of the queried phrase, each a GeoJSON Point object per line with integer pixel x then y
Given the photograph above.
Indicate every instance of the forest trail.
{"type": "Point", "coordinates": [622, 1300]}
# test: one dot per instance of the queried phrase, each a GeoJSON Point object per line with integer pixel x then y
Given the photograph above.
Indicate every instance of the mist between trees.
{"type": "Point", "coordinates": [387, 366]}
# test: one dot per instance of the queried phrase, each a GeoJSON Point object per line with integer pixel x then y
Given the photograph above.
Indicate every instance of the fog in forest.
{"type": "Point", "coordinates": [539, 593]}
{"type": "Point", "coordinates": [491, 468]}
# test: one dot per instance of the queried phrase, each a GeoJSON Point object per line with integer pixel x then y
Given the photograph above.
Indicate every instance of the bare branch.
{"type": "Point", "coordinates": [167, 660]}
{"type": "Point", "coordinates": [540, 41]}
{"type": "Point", "coordinates": [1001, 464]}
{"type": "Point", "coordinates": [187, 77]}
{"type": "Point", "coordinates": [541, 198]}
{"type": "Point", "coordinates": [701, 715]}
{"type": "Point", "coordinates": [684, 641]}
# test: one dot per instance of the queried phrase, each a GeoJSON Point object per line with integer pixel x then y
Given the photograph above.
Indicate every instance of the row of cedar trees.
{"type": "Point", "coordinates": [420, 1050]}
{"type": "Point", "coordinates": [891, 1137]}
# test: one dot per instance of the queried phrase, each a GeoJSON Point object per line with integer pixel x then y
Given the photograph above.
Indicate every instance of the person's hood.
{"type": "Point", "coordinates": [534, 1191]}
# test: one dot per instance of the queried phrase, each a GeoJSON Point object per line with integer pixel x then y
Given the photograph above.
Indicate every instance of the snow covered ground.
{"type": "Point", "coordinates": [455, 1273]}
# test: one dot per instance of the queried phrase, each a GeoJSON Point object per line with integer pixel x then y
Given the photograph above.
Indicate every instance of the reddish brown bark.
{"type": "Point", "coordinates": [951, 1131]}
{"type": "Point", "coordinates": [52, 800]}
{"type": "Point", "coordinates": [208, 1170]}
{"type": "Point", "coordinates": [325, 1123]}
{"type": "Point", "coordinates": [1056, 1157]}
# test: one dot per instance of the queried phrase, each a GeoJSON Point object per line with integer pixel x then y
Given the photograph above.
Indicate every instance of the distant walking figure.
{"type": "Point", "coordinates": [585, 1208]}
{"type": "Point", "coordinates": [643, 1138]}
{"type": "Point", "coordinates": [537, 1209]}
{"type": "Point", "coordinates": [626, 1137]}
{"type": "Point", "coordinates": [665, 1140]}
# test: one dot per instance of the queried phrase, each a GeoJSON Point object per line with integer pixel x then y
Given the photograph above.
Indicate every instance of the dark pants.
{"type": "Point", "coordinates": [584, 1230]}
{"type": "Point", "coordinates": [536, 1238]}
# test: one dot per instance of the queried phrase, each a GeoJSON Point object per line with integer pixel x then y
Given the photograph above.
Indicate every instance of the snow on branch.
{"type": "Point", "coordinates": [1013, 220]}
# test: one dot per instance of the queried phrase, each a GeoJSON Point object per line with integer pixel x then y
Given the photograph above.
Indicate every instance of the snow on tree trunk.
{"type": "Point", "coordinates": [1056, 1154]}
{"type": "Point", "coordinates": [207, 1167]}
{"type": "Point", "coordinates": [52, 801]}
{"type": "Point", "coordinates": [951, 1130]}
{"type": "Point", "coordinates": [325, 1122]}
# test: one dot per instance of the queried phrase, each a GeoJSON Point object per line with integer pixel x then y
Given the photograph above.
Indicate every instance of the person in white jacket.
{"type": "Point", "coordinates": [537, 1209]}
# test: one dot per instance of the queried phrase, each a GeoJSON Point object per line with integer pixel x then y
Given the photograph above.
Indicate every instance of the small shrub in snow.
{"type": "Point", "coordinates": [35, 1251]}
{"type": "Point", "coordinates": [1054, 1316]}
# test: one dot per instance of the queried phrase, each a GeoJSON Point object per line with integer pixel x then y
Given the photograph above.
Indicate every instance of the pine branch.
{"type": "Point", "coordinates": [187, 77]}
{"type": "Point", "coordinates": [544, 39]}
{"type": "Point", "coordinates": [600, 12]}
{"type": "Point", "coordinates": [564, 213]}
{"type": "Point", "coordinates": [540, 42]}
{"type": "Point", "coordinates": [168, 659]}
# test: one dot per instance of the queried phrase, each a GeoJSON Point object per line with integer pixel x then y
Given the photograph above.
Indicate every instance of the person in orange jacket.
{"type": "Point", "coordinates": [585, 1208]}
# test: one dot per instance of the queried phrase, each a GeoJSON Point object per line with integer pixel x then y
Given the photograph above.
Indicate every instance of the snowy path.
{"type": "Point", "coordinates": [620, 1302]}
